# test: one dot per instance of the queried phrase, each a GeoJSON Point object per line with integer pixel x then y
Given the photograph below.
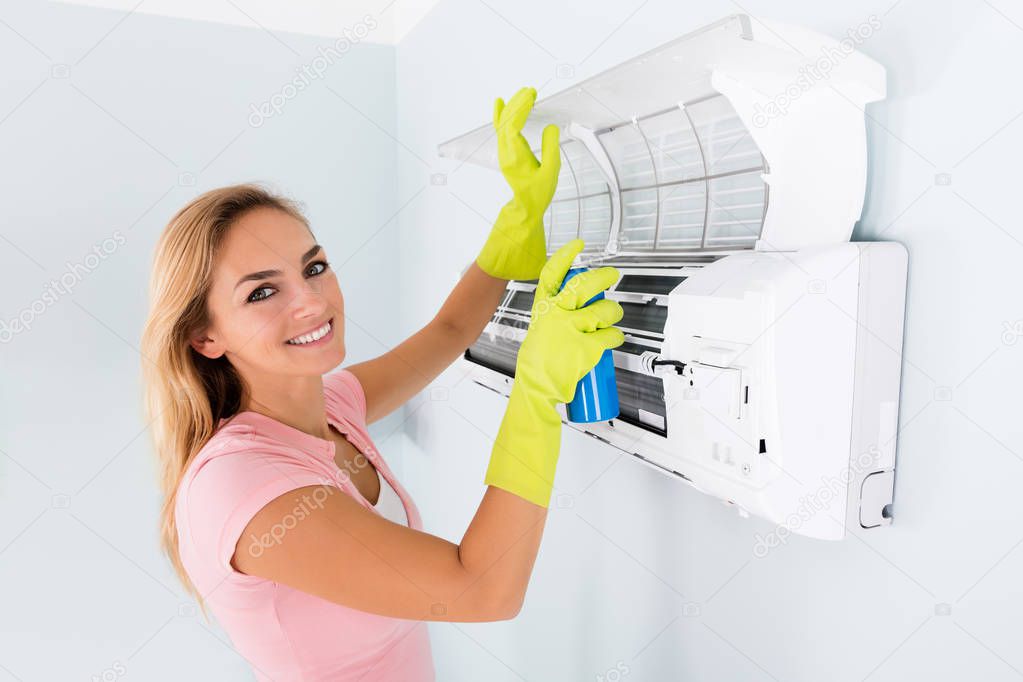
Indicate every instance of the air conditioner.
{"type": "Point", "coordinates": [722, 173]}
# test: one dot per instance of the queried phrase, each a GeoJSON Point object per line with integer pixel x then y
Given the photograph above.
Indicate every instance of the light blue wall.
{"type": "Point", "coordinates": [84, 589]}
{"type": "Point", "coordinates": [618, 567]}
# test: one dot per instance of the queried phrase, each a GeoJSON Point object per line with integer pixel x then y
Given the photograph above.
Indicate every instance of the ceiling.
{"type": "Point", "coordinates": [394, 18]}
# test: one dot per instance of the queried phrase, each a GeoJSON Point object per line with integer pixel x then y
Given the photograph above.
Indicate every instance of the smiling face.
{"type": "Point", "coordinates": [275, 304]}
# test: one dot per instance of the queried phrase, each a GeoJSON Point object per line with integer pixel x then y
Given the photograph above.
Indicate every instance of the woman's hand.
{"type": "Point", "coordinates": [532, 182]}
{"type": "Point", "coordinates": [516, 247]}
{"type": "Point", "coordinates": [566, 339]}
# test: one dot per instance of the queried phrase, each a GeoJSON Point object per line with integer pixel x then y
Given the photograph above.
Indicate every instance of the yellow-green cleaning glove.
{"type": "Point", "coordinates": [564, 341]}
{"type": "Point", "coordinates": [516, 247]}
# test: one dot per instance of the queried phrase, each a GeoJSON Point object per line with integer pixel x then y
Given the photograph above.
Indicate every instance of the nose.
{"type": "Point", "coordinates": [308, 302]}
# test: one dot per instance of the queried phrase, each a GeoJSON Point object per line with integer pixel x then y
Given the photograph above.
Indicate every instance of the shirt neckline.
{"type": "Point", "coordinates": [326, 449]}
{"type": "Point", "coordinates": [290, 435]}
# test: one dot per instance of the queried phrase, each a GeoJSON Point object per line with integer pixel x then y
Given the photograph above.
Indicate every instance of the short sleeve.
{"type": "Point", "coordinates": [228, 490]}
{"type": "Point", "coordinates": [345, 387]}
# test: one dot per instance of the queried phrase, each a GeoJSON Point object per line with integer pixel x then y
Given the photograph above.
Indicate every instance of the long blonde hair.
{"type": "Point", "coordinates": [186, 393]}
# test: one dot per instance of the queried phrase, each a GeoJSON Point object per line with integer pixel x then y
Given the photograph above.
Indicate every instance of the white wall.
{"type": "Point", "coordinates": [84, 591]}
{"type": "Point", "coordinates": [619, 566]}
{"type": "Point", "coordinates": [636, 572]}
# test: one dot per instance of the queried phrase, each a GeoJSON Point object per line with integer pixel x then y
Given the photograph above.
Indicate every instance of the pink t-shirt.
{"type": "Point", "coordinates": [287, 634]}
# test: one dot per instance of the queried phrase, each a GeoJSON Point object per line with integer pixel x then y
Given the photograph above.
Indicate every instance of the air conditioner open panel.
{"type": "Point", "coordinates": [724, 185]}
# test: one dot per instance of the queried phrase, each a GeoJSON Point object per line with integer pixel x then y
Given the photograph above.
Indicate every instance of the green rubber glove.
{"type": "Point", "coordinates": [564, 341]}
{"type": "Point", "coordinates": [516, 247]}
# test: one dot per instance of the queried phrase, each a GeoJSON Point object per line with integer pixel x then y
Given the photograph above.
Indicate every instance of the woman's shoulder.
{"type": "Point", "coordinates": [230, 478]}
{"type": "Point", "coordinates": [233, 435]}
{"type": "Point", "coordinates": [238, 449]}
{"type": "Point", "coordinates": [344, 392]}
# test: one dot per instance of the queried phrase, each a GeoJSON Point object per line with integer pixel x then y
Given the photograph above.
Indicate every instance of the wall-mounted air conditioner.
{"type": "Point", "coordinates": [763, 349]}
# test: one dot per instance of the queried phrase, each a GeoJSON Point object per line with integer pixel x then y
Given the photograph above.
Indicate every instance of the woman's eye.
{"type": "Point", "coordinates": [324, 263]}
{"type": "Point", "coordinates": [253, 298]}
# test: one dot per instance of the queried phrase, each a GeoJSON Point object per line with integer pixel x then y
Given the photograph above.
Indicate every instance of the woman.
{"type": "Point", "coordinates": [279, 511]}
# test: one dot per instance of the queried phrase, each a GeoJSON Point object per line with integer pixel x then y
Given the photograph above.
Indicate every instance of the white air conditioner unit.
{"type": "Point", "coordinates": [722, 174]}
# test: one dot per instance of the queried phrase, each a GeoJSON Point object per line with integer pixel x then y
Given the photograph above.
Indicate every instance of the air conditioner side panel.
{"type": "Point", "coordinates": [882, 307]}
{"type": "Point", "coordinates": [777, 322]}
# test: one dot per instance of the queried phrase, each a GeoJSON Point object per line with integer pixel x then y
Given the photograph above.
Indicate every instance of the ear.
{"type": "Point", "coordinates": [203, 344]}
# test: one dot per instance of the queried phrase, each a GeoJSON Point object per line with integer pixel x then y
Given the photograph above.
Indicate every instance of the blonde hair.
{"type": "Point", "coordinates": [186, 393]}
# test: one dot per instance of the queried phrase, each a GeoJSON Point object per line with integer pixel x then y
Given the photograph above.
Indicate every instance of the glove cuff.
{"type": "Point", "coordinates": [527, 447]}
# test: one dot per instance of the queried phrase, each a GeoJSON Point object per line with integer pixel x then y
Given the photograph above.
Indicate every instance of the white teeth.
{"type": "Point", "coordinates": [311, 336]}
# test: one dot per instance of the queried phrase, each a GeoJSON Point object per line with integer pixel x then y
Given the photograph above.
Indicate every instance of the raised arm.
{"type": "Point", "coordinates": [515, 249]}
{"type": "Point", "coordinates": [391, 379]}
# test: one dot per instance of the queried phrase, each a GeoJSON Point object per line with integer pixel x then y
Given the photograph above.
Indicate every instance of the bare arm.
{"type": "Point", "coordinates": [347, 554]}
{"type": "Point", "coordinates": [390, 380]}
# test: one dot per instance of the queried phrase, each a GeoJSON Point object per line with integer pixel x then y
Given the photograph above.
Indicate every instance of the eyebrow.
{"type": "Point", "coordinates": [266, 274]}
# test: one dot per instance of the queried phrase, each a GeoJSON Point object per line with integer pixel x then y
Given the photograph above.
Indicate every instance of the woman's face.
{"type": "Point", "coordinates": [272, 288]}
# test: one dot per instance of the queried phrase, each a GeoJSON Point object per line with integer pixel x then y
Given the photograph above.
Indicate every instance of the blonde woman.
{"type": "Point", "coordinates": [280, 513]}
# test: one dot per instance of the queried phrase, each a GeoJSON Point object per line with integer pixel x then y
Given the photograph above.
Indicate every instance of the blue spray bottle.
{"type": "Point", "coordinates": [596, 394]}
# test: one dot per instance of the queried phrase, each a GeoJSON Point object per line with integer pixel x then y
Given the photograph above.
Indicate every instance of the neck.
{"type": "Point", "coordinates": [295, 401]}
